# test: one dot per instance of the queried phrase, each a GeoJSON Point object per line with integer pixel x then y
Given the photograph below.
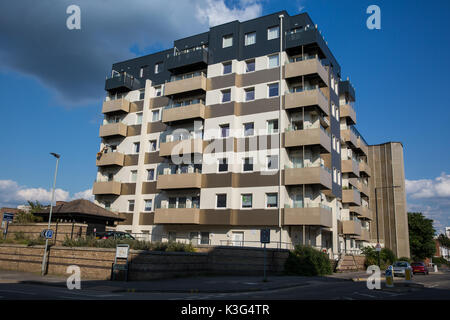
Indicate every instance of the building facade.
{"type": "Point", "coordinates": [244, 127]}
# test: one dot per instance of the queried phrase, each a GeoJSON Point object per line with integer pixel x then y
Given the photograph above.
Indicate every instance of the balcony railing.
{"type": "Point", "coordinates": [186, 76]}
{"type": "Point", "coordinates": [184, 103]}
{"type": "Point", "coordinates": [294, 204]}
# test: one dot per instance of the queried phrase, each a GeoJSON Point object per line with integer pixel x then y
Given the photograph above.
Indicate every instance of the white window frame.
{"type": "Point", "coordinates": [159, 114]}
{"type": "Point", "coordinates": [266, 200]}
{"type": "Point", "coordinates": [145, 205]}
{"type": "Point", "coordinates": [267, 162]}
{"type": "Point", "coordinates": [271, 28]}
{"type": "Point", "coordinates": [138, 145]}
{"type": "Point", "coordinates": [268, 89]}
{"type": "Point", "coordinates": [245, 66]}
{"type": "Point", "coordinates": [226, 37]}
{"type": "Point", "coordinates": [268, 60]}
{"type": "Point", "coordinates": [242, 202]}
{"type": "Point", "coordinates": [218, 165]}
{"type": "Point", "coordinates": [158, 88]}
{"type": "Point", "coordinates": [267, 126]}
{"type": "Point", "coordinates": [223, 67]}
{"type": "Point", "coordinates": [221, 95]}
{"type": "Point", "coordinates": [134, 204]}
{"type": "Point", "coordinates": [217, 198]}
{"type": "Point", "coordinates": [133, 173]}
{"type": "Point", "coordinates": [250, 89]}
{"type": "Point", "coordinates": [252, 162]}
{"type": "Point", "coordinates": [154, 174]}
{"type": "Point", "coordinates": [137, 117]}
{"type": "Point", "coordinates": [246, 38]}
{"type": "Point", "coordinates": [243, 127]}
{"type": "Point", "coordinates": [150, 144]}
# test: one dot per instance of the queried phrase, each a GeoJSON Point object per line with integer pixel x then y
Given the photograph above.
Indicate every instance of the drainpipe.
{"type": "Point", "coordinates": [281, 16]}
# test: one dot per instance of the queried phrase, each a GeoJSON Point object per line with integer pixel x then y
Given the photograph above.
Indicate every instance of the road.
{"type": "Point", "coordinates": [436, 286]}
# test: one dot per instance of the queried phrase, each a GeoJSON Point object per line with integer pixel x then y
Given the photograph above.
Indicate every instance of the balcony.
{"type": "Point", "coordinates": [351, 196]}
{"type": "Point", "coordinates": [113, 129]}
{"type": "Point", "coordinates": [177, 216]}
{"type": "Point", "coordinates": [185, 146]}
{"type": "Point", "coordinates": [306, 67]}
{"type": "Point", "coordinates": [349, 136]}
{"type": "Point", "coordinates": [348, 112]}
{"type": "Point", "coordinates": [364, 168]}
{"type": "Point", "coordinates": [312, 175]}
{"type": "Point", "coordinates": [215, 217]}
{"type": "Point", "coordinates": [179, 181]}
{"type": "Point", "coordinates": [120, 82]}
{"type": "Point", "coordinates": [193, 59]}
{"type": "Point", "coordinates": [308, 137]}
{"type": "Point", "coordinates": [351, 167]}
{"type": "Point", "coordinates": [363, 212]}
{"type": "Point", "coordinates": [362, 146]}
{"type": "Point", "coordinates": [192, 111]}
{"type": "Point", "coordinates": [306, 98]}
{"type": "Point", "coordinates": [351, 227]}
{"type": "Point", "coordinates": [312, 216]}
{"type": "Point", "coordinates": [365, 235]}
{"type": "Point", "coordinates": [118, 105]}
{"type": "Point", "coordinates": [186, 83]}
{"type": "Point", "coordinates": [110, 159]}
{"type": "Point", "coordinates": [364, 189]}
{"type": "Point", "coordinates": [107, 187]}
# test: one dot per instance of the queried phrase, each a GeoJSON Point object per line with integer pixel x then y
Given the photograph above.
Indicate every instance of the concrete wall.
{"type": "Point", "coordinates": [95, 263]}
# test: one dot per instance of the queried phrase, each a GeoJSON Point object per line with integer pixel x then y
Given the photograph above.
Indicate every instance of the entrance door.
{"type": "Point", "coordinates": [238, 239]}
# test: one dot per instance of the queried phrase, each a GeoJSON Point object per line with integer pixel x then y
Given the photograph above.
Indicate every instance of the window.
{"type": "Point", "coordinates": [158, 91]}
{"type": "Point", "coordinates": [153, 145]}
{"type": "Point", "coordinates": [182, 202]}
{"type": "Point", "coordinates": [227, 68]}
{"type": "Point", "coordinates": [224, 130]}
{"type": "Point", "coordinates": [337, 113]}
{"type": "Point", "coordinates": [155, 115]}
{"type": "Point", "coordinates": [136, 147]}
{"type": "Point", "coordinates": [334, 175]}
{"type": "Point", "coordinates": [248, 164]}
{"type": "Point", "coordinates": [227, 41]}
{"type": "Point", "coordinates": [333, 112]}
{"type": "Point", "coordinates": [204, 237]}
{"type": "Point", "coordinates": [172, 236]}
{"type": "Point", "coordinates": [250, 65]}
{"type": "Point", "coordinates": [133, 175]}
{"type": "Point", "coordinates": [273, 33]}
{"type": "Point", "coordinates": [273, 90]}
{"type": "Point", "coordinates": [195, 202]}
{"type": "Point", "coordinates": [250, 38]}
{"type": "Point", "coordinates": [141, 94]}
{"type": "Point", "coordinates": [334, 143]}
{"type": "Point", "coordinates": [272, 126]}
{"type": "Point", "coordinates": [271, 200]}
{"type": "Point", "coordinates": [141, 72]}
{"type": "Point", "coordinates": [221, 200]}
{"type": "Point", "coordinates": [250, 94]}
{"type": "Point", "coordinates": [107, 205]}
{"type": "Point", "coordinates": [130, 205]}
{"type": "Point", "coordinates": [139, 118]}
{"type": "Point", "coordinates": [273, 61]}
{"type": "Point", "coordinates": [158, 67]}
{"type": "Point", "coordinates": [272, 162]}
{"type": "Point", "coordinates": [223, 165]}
{"type": "Point", "coordinates": [226, 95]}
{"type": "Point", "coordinates": [148, 205]}
{"type": "Point", "coordinates": [338, 144]}
{"type": "Point", "coordinates": [248, 129]}
{"type": "Point", "coordinates": [339, 178]}
{"type": "Point", "coordinates": [246, 200]}
{"type": "Point", "coordinates": [150, 174]}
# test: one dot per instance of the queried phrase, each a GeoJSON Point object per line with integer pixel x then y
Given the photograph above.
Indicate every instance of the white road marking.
{"type": "Point", "coordinates": [365, 294]}
{"type": "Point", "coordinates": [19, 292]}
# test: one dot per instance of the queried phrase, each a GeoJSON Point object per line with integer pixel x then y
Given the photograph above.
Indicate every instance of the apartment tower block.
{"type": "Point", "coordinates": [244, 127]}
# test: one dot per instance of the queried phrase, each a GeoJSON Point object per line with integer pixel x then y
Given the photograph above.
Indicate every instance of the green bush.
{"type": "Point", "coordinates": [20, 238]}
{"type": "Point", "coordinates": [307, 261]}
{"type": "Point", "coordinates": [134, 244]}
{"type": "Point", "coordinates": [439, 261]}
{"type": "Point", "coordinates": [387, 257]}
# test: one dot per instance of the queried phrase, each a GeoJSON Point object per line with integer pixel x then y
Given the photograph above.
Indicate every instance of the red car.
{"type": "Point", "coordinates": [419, 267]}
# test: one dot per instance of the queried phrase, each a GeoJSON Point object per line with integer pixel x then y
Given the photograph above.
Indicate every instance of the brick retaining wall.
{"type": "Point", "coordinates": [95, 263]}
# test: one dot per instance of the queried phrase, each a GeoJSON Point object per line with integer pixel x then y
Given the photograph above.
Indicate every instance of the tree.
{"type": "Point", "coordinates": [28, 217]}
{"type": "Point", "coordinates": [444, 240]}
{"type": "Point", "coordinates": [421, 234]}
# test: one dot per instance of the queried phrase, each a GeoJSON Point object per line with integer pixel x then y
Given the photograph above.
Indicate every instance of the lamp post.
{"type": "Point", "coordinates": [376, 214]}
{"type": "Point", "coordinates": [57, 156]}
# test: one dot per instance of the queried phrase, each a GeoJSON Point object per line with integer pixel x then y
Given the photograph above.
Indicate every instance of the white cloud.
{"type": "Point", "coordinates": [432, 198]}
{"type": "Point", "coordinates": [428, 188]}
{"type": "Point", "coordinates": [12, 194]}
{"type": "Point", "coordinates": [215, 12]}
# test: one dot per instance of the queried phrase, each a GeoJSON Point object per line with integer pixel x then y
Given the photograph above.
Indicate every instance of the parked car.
{"type": "Point", "coordinates": [419, 267]}
{"type": "Point", "coordinates": [114, 235]}
{"type": "Point", "coordinates": [399, 268]}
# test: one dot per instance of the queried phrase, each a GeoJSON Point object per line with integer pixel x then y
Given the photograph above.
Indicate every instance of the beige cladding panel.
{"type": "Point", "coordinates": [306, 67]}
{"type": "Point", "coordinates": [308, 216]}
{"type": "Point", "coordinates": [347, 111]}
{"type": "Point", "coordinates": [146, 218]}
{"type": "Point", "coordinates": [107, 187]}
{"type": "Point", "coordinates": [116, 105]}
{"type": "Point", "coordinates": [177, 216]}
{"type": "Point", "coordinates": [306, 138]}
{"type": "Point", "coordinates": [182, 147]}
{"type": "Point", "coordinates": [178, 181]}
{"type": "Point", "coordinates": [185, 85]}
{"type": "Point", "coordinates": [183, 113]}
{"type": "Point", "coordinates": [159, 102]}
{"type": "Point", "coordinates": [351, 227]}
{"type": "Point", "coordinates": [134, 130]}
{"type": "Point", "coordinates": [113, 129]}
{"type": "Point", "coordinates": [110, 158]}
{"type": "Point", "coordinates": [313, 175]}
{"type": "Point", "coordinates": [305, 99]}
{"type": "Point", "coordinates": [254, 217]}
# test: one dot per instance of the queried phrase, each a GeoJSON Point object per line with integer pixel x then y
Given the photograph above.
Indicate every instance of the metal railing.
{"type": "Point", "coordinates": [186, 76]}
{"type": "Point", "coordinates": [184, 103]}
{"type": "Point", "coordinates": [306, 205]}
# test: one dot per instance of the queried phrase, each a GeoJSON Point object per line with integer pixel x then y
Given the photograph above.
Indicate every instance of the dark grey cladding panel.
{"type": "Point", "coordinates": [216, 52]}
{"type": "Point", "coordinates": [134, 66]}
{"type": "Point", "coordinates": [192, 41]}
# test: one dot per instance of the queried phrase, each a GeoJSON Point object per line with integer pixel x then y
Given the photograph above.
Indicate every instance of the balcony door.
{"type": "Point", "coordinates": [238, 239]}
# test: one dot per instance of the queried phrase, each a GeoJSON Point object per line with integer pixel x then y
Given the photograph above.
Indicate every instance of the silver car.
{"type": "Point", "coordinates": [399, 268]}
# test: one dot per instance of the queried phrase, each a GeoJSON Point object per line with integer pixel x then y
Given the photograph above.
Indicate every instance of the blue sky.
{"type": "Point", "coordinates": [52, 83]}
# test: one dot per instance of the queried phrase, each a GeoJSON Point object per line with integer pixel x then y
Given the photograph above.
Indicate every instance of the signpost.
{"type": "Point", "coordinates": [122, 251]}
{"type": "Point", "coordinates": [378, 248]}
{"type": "Point", "coordinates": [265, 238]}
{"type": "Point", "coordinates": [7, 219]}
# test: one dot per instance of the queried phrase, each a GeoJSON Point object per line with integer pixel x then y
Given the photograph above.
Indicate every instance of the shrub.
{"type": "Point", "coordinates": [439, 261]}
{"type": "Point", "coordinates": [134, 244]}
{"type": "Point", "coordinates": [387, 257]}
{"type": "Point", "coordinates": [307, 261]}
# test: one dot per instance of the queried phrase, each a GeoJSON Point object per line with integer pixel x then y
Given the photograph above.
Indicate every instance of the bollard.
{"type": "Point", "coordinates": [389, 278]}
{"type": "Point", "coordinates": [435, 268]}
{"type": "Point", "coordinates": [408, 275]}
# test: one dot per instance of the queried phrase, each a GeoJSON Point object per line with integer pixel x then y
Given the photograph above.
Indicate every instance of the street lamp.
{"type": "Point", "coordinates": [57, 156]}
{"type": "Point", "coordinates": [376, 214]}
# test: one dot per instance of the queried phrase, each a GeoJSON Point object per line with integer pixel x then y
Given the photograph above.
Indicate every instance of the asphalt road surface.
{"type": "Point", "coordinates": [436, 286]}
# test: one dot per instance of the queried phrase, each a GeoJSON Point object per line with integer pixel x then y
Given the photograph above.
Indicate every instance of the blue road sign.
{"type": "Point", "coordinates": [48, 234]}
{"type": "Point", "coordinates": [8, 216]}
